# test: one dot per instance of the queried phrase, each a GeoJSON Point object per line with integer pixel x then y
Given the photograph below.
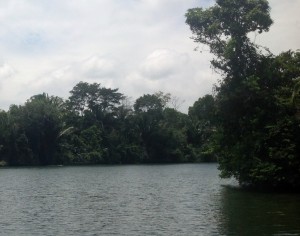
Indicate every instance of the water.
{"type": "Point", "coordinates": [138, 200]}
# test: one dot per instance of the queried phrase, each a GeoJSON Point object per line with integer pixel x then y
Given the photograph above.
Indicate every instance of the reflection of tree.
{"type": "Point", "coordinates": [248, 213]}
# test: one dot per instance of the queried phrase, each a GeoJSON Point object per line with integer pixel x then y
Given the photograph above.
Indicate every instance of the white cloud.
{"type": "Point", "coordinates": [184, 76]}
{"type": "Point", "coordinates": [138, 46]}
{"type": "Point", "coordinates": [10, 85]}
{"type": "Point", "coordinates": [6, 71]}
{"type": "Point", "coordinates": [60, 81]}
{"type": "Point", "coordinates": [163, 63]}
{"type": "Point", "coordinates": [97, 67]}
{"type": "Point", "coordinates": [284, 34]}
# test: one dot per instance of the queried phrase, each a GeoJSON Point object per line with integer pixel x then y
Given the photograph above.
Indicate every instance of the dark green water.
{"type": "Point", "coordinates": [138, 200]}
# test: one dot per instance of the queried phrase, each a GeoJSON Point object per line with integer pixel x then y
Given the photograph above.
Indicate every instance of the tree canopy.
{"type": "Point", "coordinates": [257, 136]}
{"type": "Point", "coordinates": [225, 26]}
{"type": "Point", "coordinates": [96, 125]}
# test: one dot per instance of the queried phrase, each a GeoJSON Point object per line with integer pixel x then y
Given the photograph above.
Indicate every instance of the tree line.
{"type": "Point", "coordinates": [98, 125]}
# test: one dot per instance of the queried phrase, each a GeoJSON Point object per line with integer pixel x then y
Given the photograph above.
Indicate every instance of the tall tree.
{"type": "Point", "coordinates": [93, 98]}
{"type": "Point", "coordinates": [257, 130]}
{"type": "Point", "coordinates": [33, 131]}
{"type": "Point", "coordinates": [42, 118]}
{"type": "Point", "coordinates": [225, 26]}
{"type": "Point", "coordinates": [96, 110]}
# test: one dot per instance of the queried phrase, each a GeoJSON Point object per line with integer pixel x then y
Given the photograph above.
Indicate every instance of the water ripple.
{"type": "Point", "coordinates": [135, 200]}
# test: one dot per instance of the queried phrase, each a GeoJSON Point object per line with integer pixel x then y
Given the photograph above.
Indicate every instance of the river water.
{"type": "Point", "coordinates": [185, 199]}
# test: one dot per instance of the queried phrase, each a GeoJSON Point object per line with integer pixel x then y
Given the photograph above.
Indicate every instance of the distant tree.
{"type": "Point", "coordinates": [16, 147]}
{"type": "Point", "coordinates": [93, 98]}
{"type": "Point", "coordinates": [149, 103]}
{"type": "Point", "coordinates": [99, 111]}
{"type": "Point", "coordinates": [4, 133]}
{"type": "Point", "coordinates": [33, 130]}
{"type": "Point", "coordinates": [162, 130]}
{"type": "Point", "coordinates": [42, 118]}
{"type": "Point", "coordinates": [202, 127]}
{"type": "Point", "coordinates": [204, 109]}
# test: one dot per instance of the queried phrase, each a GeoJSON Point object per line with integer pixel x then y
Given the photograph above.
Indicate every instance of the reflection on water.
{"type": "Point", "coordinates": [138, 200]}
{"type": "Point", "coordinates": [249, 213]}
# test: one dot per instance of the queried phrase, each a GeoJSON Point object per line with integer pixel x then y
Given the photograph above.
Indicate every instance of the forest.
{"type": "Point", "coordinates": [250, 124]}
{"type": "Point", "coordinates": [98, 125]}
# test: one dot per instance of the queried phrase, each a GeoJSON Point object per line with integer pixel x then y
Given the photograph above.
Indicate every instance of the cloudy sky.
{"type": "Point", "coordinates": [138, 46]}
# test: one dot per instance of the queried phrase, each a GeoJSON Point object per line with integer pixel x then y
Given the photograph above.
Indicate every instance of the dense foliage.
{"type": "Point", "coordinates": [257, 138]}
{"type": "Point", "coordinates": [98, 125]}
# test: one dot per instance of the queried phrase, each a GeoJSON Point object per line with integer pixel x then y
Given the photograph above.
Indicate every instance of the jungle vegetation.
{"type": "Point", "coordinates": [257, 102]}
{"type": "Point", "coordinates": [98, 125]}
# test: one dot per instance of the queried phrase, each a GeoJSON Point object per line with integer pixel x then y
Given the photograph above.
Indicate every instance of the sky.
{"type": "Point", "coordinates": [138, 46]}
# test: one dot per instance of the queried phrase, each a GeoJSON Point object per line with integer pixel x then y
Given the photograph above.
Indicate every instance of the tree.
{"type": "Point", "coordinates": [149, 103]}
{"type": "Point", "coordinates": [15, 148]}
{"type": "Point", "coordinates": [225, 26]}
{"type": "Point", "coordinates": [42, 119]}
{"type": "Point", "coordinates": [4, 130]}
{"type": "Point", "coordinates": [100, 111]}
{"type": "Point", "coordinates": [93, 98]}
{"type": "Point", "coordinates": [162, 130]}
{"type": "Point", "coordinates": [148, 112]}
{"type": "Point", "coordinates": [175, 146]}
{"type": "Point", "coordinates": [85, 147]}
{"type": "Point", "coordinates": [204, 109]}
{"type": "Point", "coordinates": [33, 131]}
{"type": "Point", "coordinates": [257, 138]}
{"type": "Point", "coordinates": [202, 127]}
